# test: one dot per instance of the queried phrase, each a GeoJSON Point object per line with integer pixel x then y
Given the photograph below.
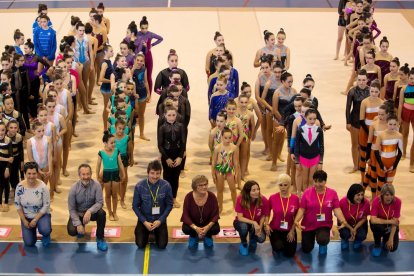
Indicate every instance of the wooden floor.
{"type": "Point", "coordinates": [311, 35]}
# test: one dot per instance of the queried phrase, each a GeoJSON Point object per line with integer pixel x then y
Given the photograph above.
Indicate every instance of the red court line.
{"type": "Point", "coordinates": [6, 249]}
{"type": "Point", "coordinates": [21, 250]}
{"type": "Point", "coordinates": [301, 265]}
{"type": "Point", "coordinates": [253, 271]}
{"type": "Point", "coordinates": [39, 271]}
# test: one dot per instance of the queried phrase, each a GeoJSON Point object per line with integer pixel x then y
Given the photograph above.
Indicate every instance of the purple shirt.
{"type": "Point", "coordinates": [147, 37]}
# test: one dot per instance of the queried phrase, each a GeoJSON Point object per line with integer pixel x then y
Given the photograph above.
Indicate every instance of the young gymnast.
{"type": "Point", "coordinates": [6, 160]}
{"type": "Point", "coordinates": [111, 175]}
{"type": "Point", "coordinates": [284, 51]}
{"type": "Point", "coordinates": [387, 90]}
{"type": "Point", "coordinates": [100, 33]}
{"type": "Point", "coordinates": [105, 20]}
{"type": "Point", "coordinates": [248, 122]}
{"type": "Point", "coordinates": [140, 78]}
{"type": "Point", "coordinates": [215, 133]}
{"type": "Point", "coordinates": [106, 73]}
{"type": "Point", "coordinates": [225, 166]}
{"type": "Point", "coordinates": [233, 122]}
{"type": "Point", "coordinates": [9, 114]}
{"type": "Point", "coordinates": [18, 37]}
{"type": "Point", "coordinates": [218, 100]}
{"type": "Point", "coordinates": [44, 38]}
{"type": "Point", "coordinates": [403, 74]}
{"type": "Point", "coordinates": [368, 111]}
{"type": "Point", "coordinates": [210, 67]}
{"type": "Point", "coordinates": [16, 168]}
{"type": "Point", "coordinates": [383, 58]}
{"type": "Point", "coordinates": [373, 70]}
{"type": "Point", "coordinates": [269, 49]}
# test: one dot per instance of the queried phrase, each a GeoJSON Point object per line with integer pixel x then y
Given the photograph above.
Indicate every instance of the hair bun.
{"type": "Point", "coordinates": [308, 76]}
{"type": "Point", "coordinates": [396, 59]}
{"type": "Point", "coordinates": [281, 30]}
{"type": "Point", "coordinates": [217, 33]}
{"type": "Point", "coordinates": [265, 32]}
{"type": "Point", "coordinates": [17, 31]}
{"type": "Point", "coordinates": [244, 83]}
{"type": "Point", "coordinates": [384, 38]}
{"type": "Point", "coordinates": [28, 40]}
{"type": "Point", "coordinates": [172, 51]}
{"type": "Point", "coordinates": [406, 65]}
{"type": "Point", "coordinates": [144, 18]}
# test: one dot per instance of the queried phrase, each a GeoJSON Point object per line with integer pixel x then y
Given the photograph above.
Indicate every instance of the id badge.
{"type": "Point", "coordinates": [156, 210]}
{"type": "Point", "coordinates": [320, 217]}
{"type": "Point", "coordinates": [284, 225]}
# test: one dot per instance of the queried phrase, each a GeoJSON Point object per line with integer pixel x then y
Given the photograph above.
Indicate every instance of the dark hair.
{"type": "Point", "coordinates": [320, 176]}
{"type": "Point", "coordinates": [311, 111]}
{"type": "Point", "coordinates": [308, 78]}
{"type": "Point", "coordinates": [362, 72]}
{"type": "Point", "coordinates": [172, 53]}
{"type": "Point", "coordinates": [44, 16]}
{"type": "Point", "coordinates": [41, 7]}
{"type": "Point", "coordinates": [278, 64]}
{"type": "Point", "coordinates": [384, 40]}
{"type": "Point", "coordinates": [107, 47]}
{"type": "Point", "coordinates": [245, 195]}
{"type": "Point", "coordinates": [228, 55]}
{"type": "Point", "coordinates": [412, 71]}
{"type": "Point", "coordinates": [79, 24]}
{"type": "Point", "coordinates": [224, 68]}
{"type": "Point", "coordinates": [244, 85]}
{"type": "Point", "coordinates": [225, 130]}
{"type": "Point", "coordinates": [29, 44]}
{"type": "Point", "coordinates": [5, 56]}
{"type": "Point", "coordinates": [375, 84]}
{"type": "Point", "coordinates": [231, 101]}
{"type": "Point", "coordinates": [92, 11]}
{"type": "Point", "coordinates": [396, 61]}
{"type": "Point", "coordinates": [16, 56]}
{"type": "Point", "coordinates": [12, 121]}
{"type": "Point", "coordinates": [388, 106]}
{"type": "Point", "coordinates": [84, 165]}
{"type": "Point", "coordinates": [285, 76]}
{"type": "Point", "coordinates": [154, 165]}
{"type": "Point", "coordinates": [305, 90]}
{"type": "Point", "coordinates": [74, 20]}
{"type": "Point", "coordinates": [30, 166]}
{"type": "Point", "coordinates": [222, 114]}
{"type": "Point", "coordinates": [354, 190]}
{"type": "Point", "coordinates": [217, 35]}
{"type": "Point", "coordinates": [106, 137]}
{"type": "Point", "coordinates": [8, 73]}
{"type": "Point", "coordinates": [281, 31]}
{"type": "Point", "coordinates": [392, 117]}
{"type": "Point", "coordinates": [133, 28]}
{"type": "Point", "coordinates": [372, 52]}
{"type": "Point", "coordinates": [17, 34]}
{"type": "Point", "coordinates": [405, 69]}
{"type": "Point", "coordinates": [97, 17]}
{"type": "Point", "coordinates": [88, 28]}
{"type": "Point", "coordinates": [172, 88]}
{"type": "Point", "coordinates": [143, 21]}
{"type": "Point", "coordinates": [267, 35]}
{"type": "Point", "coordinates": [101, 6]}
{"type": "Point", "coordinates": [120, 122]}
{"type": "Point", "coordinates": [266, 59]}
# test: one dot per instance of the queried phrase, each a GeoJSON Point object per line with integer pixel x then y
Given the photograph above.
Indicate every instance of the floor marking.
{"type": "Point", "coordinates": [146, 260]}
{"type": "Point", "coordinates": [39, 271]}
{"type": "Point", "coordinates": [6, 249]}
{"type": "Point", "coordinates": [21, 250]}
{"type": "Point", "coordinates": [301, 265]}
{"type": "Point", "coordinates": [253, 271]}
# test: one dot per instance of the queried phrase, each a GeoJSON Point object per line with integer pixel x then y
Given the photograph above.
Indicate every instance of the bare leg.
{"type": "Point", "coordinates": [108, 198]}
{"type": "Point", "coordinates": [244, 147]}
{"type": "Point", "coordinates": [341, 31]}
{"type": "Point", "coordinates": [312, 170]}
{"type": "Point", "coordinates": [141, 120]}
{"type": "Point", "coordinates": [232, 185]}
{"type": "Point", "coordinates": [269, 134]}
{"type": "Point", "coordinates": [220, 190]}
{"type": "Point", "coordinates": [412, 151]}
{"type": "Point", "coordinates": [92, 80]}
{"type": "Point", "coordinates": [299, 179]}
{"type": "Point", "coordinates": [405, 130]}
{"type": "Point", "coordinates": [263, 127]}
{"type": "Point", "coordinates": [105, 113]}
{"type": "Point", "coordinates": [85, 78]}
{"type": "Point", "coordinates": [350, 82]}
{"type": "Point", "coordinates": [114, 197]}
{"type": "Point", "coordinates": [305, 178]}
{"type": "Point", "coordinates": [82, 90]}
{"type": "Point", "coordinates": [66, 147]}
{"type": "Point", "coordinates": [355, 148]}
{"type": "Point", "coordinates": [122, 189]}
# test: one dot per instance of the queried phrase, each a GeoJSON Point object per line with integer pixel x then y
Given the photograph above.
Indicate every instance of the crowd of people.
{"type": "Point", "coordinates": [47, 83]}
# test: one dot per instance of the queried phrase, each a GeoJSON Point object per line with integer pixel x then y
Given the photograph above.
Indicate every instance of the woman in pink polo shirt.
{"type": "Point", "coordinates": [281, 229]}
{"type": "Point", "coordinates": [385, 214]}
{"type": "Point", "coordinates": [355, 208]}
{"type": "Point", "coordinates": [316, 207]}
{"type": "Point", "coordinates": [252, 208]}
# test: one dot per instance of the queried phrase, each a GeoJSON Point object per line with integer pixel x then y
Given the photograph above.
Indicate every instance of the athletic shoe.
{"type": "Point", "coordinates": [102, 245]}
{"type": "Point", "coordinates": [376, 251]}
{"type": "Point", "coordinates": [46, 241]}
{"type": "Point", "coordinates": [323, 249]}
{"type": "Point", "coordinates": [252, 245]}
{"type": "Point", "coordinates": [357, 244]}
{"type": "Point", "coordinates": [193, 243]}
{"type": "Point", "coordinates": [208, 242]}
{"type": "Point", "coordinates": [345, 244]}
{"type": "Point", "coordinates": [243, 250]}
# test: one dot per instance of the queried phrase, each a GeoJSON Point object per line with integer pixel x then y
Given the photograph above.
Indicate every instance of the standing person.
{"type": "Point", "coordinates": [210, 67]}
{"type": "Point", "coordinates": [172, 146]}
{"type": "Point", "coordinates": [142, 89]}
{"type": "Point", "coordinates": [341, 26]}
{"type": "Point", "coordinates": [85, 202]}
{"type": "Point", "coordinates": [112, 174]}
{"type": "Point", "coordinates": [252, 208]}
{"type": "Point", "coordinates": [105, 20]}
{"type": "Point", "coordinates": [145, 37]}
{"type": "Point", "coordinates": [18, 37]}
{"type": "Point", "coordinates": [219, 99]}
{"type": "Point", "coordinates": [39, 150]}
{"type": "Point", "coordinates": [314, 217]}
{"type": "Point", "coordinates": [352, 113]}
{"type": "Point", "coordinates": [284, 51]}
{"type": "Point", "coordinates": [383, 58]}
{"type": "Point", "coordinates": [269, 49]}
{"type": "Point", "coordinates": [373, 70]}
{"type": "Point", "coordinates": [388, 152]}
{"type": "Point", "coordinates": [406, 114]}
{"type": "Point", "coordinates": [152, 203]}
{"type": "Point", "coordinates": [16, 168]}
{"type": "Point", "coordinates": [281, 228]}
{"type": "Point", "coordinates": [385, 221]}
{"type": "Point", "coordinates": [215, 133]}
{"type": "Point", "coordinates": [225, 166]}
{"type": "Point", "coordinates": [356, 209]}
{"type": "Point", "coordinates": [22, 86]}
{"type": "Point", "coordinates": [368, 112]}
{"type": "Point", "coordinates": [99, 32]}
{"type": "Point", "coordinates": [163, 78]}
{"type": "Point", "coordinates": [32, 202]}
{"type": "Point", "coordinates": [200, 214]}
{"type": "Point", "coordinates": [403, 74]}
{"type": "Point", "coordinates": [106, 72]}
{"type": "Point", "coordinates": [6, 160]}
{"type": "Point", "coordinates": [41, 10]}
{"type": "Point", "coordinates": [92, 77]}
{"type": "Point", "coordinates": [387, 90]}
{"type": "Point", "coordinates": [44, 39]}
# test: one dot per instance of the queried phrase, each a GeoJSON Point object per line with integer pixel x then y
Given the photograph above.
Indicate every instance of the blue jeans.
{"type": "Point", "coordinates": [245, 229]}
{"type": "Point", "coordinates": [361, 233]}
{"type": "Point", "coordinates": [44, 226]}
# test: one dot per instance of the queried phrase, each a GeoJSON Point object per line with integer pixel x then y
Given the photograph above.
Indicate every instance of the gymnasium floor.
{"type": "Point", "coordinates": [189, 29]}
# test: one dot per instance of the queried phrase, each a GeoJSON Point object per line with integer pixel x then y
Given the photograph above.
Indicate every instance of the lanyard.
{"type": "Point", "coordinates": [254, 213]}
{"type": "Point", "coordinates": [320, 201]}
{"type": "Point", "coordinates": [154, 198]}
{"type": "Point", "coordinates": [356, 214]}
{"type": "Point", "coordinates": [386, 213]}
{"type": "Point", "coordinates": [283, 206]}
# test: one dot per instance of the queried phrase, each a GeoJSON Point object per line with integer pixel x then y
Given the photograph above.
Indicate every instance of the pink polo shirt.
{"type": "Point", "coordinates": [278, 214]}
{"type": "Point", "coordinates": [354, 213]}
{"type": "Point", "coordinates": [311, 206]}
{"type": "Point", "coordinates": [255, 213]}
{"type": "Point", "coordinates": [386, 211]}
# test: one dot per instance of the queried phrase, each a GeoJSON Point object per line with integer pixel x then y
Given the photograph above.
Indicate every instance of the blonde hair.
{"type": "Point", "coordinates": [283, 178]}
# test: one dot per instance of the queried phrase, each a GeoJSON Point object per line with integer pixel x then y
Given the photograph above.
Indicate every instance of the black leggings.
{"type": "Point", "coordinates": [34, 91]}
{"type": "Point", "coordinates": [142, 234]}
{"type": "Point", "coordinates": [382, 232]}
{"type": "Point", "coordinates": [4, 186]}
{"type": "Point", "coordinates": [214, 230]}
{"type": "Point", "coordinates": [279, 242]}
{"type": "Point", "coordinates": [172, 175]}
{"type": "Point", "coordinates": [322, 236]}
{"type": "Point", "coordinates": [14, 172]}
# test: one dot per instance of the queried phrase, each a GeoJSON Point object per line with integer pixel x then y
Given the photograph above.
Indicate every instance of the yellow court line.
{"type": "Point", "coordinates": [146, 260]}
